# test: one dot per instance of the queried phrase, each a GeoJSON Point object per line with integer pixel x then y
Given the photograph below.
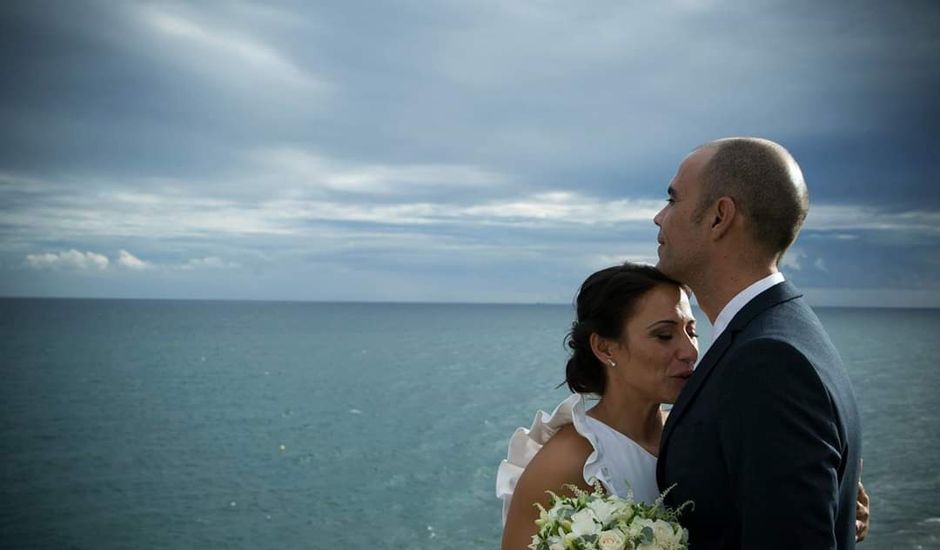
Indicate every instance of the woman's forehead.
{"type": "Point", "coordinates": [665, 301]}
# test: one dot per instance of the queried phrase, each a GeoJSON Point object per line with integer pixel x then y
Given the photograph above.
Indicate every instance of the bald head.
{"type": "Point", "coordinates": [765, 183]}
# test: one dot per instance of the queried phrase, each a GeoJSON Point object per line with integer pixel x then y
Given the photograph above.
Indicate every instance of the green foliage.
{"type": "Point", "coordinates": [591, 520]}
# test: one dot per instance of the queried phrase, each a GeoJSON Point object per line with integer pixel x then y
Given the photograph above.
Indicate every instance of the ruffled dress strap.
{"type": "Point", "coordinates": [526, 443]}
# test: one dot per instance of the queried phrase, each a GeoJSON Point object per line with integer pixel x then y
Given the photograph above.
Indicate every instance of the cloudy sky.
{"type": "Point", "coordinates": [483, 151]}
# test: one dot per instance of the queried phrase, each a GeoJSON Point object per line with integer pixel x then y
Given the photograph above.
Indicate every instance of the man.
{"type": "Point", "coordinates": [765, 437]}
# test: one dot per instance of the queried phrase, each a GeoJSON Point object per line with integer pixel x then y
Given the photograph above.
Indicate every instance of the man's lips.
{"type": "Point", "coordinates": [684, 375]}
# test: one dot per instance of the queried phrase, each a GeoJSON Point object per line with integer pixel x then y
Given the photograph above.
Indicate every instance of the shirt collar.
{"type": "Point", "coordinates": [738, 302]}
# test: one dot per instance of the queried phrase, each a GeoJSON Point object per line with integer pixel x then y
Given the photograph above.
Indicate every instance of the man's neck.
{"type": "Point", "coordinates": [721, 285]}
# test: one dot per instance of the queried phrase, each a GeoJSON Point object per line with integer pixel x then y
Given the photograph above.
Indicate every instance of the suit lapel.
{"type": "Point", "coordinates": [702, 371]}
{"type": "Point", "coordinates": [772, 296]}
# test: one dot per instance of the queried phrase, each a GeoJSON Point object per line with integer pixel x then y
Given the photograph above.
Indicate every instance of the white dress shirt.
{"type": "Point", "coordinates": [738, 302]}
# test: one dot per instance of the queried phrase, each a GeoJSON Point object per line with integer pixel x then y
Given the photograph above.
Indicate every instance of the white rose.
{"type": "Point", "coordinates": [603, 510]}
{"type": "Point", "coordinates": [625, 511]}
{"type": "Point", "coordinates": [556, 543]}
{"type": "Point", "coordinates": [664, 534]}
{"type": "Point", "coordinates": [637, 525]}
{"type": "Point", "coordinates": [611, 540]}
{"type": "Point", "coordinates": [584, 523]}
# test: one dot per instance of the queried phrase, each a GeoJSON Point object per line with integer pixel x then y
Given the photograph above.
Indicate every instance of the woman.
{"type": "Point", "coordinates": [634, 345]}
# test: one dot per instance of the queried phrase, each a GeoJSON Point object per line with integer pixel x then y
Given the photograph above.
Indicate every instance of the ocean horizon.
{"type": "Point", "coordinates": [179, 423]}
{"type": "Point", "coordinates": [400, 302]}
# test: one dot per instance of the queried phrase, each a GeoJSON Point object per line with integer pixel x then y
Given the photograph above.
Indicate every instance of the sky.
{"type": "Point", "coordinates": [448, 151]}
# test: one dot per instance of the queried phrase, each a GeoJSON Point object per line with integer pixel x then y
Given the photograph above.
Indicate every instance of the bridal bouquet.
{"type": "Point", "coordinates": [595, 521]}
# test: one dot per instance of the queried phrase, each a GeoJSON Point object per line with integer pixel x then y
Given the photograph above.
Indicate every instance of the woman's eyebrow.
{"type": "Point", "coordinates": [669, 321]}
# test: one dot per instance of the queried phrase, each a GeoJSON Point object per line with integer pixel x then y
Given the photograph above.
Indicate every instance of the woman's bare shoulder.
{"type": "Point", "coordinates": [561, 460]}
{"type": "Point", "coordinates": [558, 463]}
{"type": "Point", "coordinates": [568, 440]}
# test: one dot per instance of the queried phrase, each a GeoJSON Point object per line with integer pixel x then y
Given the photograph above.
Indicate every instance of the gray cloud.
{"type": "Point", "coordinates": [405, 150]}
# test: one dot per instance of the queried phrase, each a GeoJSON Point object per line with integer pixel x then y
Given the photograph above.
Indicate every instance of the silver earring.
{"type": "Point", "coordinates": [612, 364]}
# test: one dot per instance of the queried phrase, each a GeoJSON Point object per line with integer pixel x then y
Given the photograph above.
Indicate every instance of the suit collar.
{"type": "Point", "coordinates": [771, 297]}
{"type": "Point", "coordinates": [742, 298]}
{"type": "Point", "coordinates": [774, 295]}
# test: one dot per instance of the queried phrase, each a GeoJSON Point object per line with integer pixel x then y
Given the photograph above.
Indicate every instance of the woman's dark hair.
{"type": "Point", "coordinates": [606, 301]}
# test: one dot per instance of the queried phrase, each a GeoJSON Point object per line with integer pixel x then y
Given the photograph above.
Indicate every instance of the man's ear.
{"type": "Point", "coordinates": [723, 215]}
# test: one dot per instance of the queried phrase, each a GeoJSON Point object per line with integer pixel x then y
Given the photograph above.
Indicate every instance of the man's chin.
{"type": "Point", "coordinates": [668, 271]}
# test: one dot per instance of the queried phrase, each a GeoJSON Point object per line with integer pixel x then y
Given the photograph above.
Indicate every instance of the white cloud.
{"type": "Point", "coordinates": [129, 261]}
{"type": "Point", "coordinates": [129, 214]}
{"type": "Point", "coordinates": [849, 216]}
{"type": "Point", "coordinates": [209, 262]}
{"type": "Point", "coordinates": [820, 264]}
{"type": "Point", "coordinates": [229, 54]}
{"type": "Point", "coordinates": [793, 259]}
{"type": "Point", "coordinates": [309, 170]}
{"type": "Point", "coordinates": [71, 259]}
{"type": "Point", "coordinates": [532, 210]}
{"type": "Point", "coordinates": [175, 210]}
{"type": "Point", "coordinates": [76, 260]}
{"type": "Point", "coordinates": [567, 207]}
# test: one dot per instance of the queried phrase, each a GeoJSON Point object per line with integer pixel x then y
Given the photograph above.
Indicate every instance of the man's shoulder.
{"type": "Point", "coordinates": [791, 323]}
{"type": "Point", "coordinates": [786, 349]}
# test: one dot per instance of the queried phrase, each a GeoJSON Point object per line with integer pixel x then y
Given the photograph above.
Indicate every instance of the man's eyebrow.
{"type": "Point", "coordinates": [671, 191]}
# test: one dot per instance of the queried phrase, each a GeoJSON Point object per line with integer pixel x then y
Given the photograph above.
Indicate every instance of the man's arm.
{"type": "Point", "coordinates": [780, 438]}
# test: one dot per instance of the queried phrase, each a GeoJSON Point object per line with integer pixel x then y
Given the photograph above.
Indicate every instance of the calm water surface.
{"type": "Point", "coordinates": [162, 424]}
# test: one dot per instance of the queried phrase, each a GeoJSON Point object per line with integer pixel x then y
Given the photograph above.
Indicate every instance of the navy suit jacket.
{"type": "Point", "coordinates": [765, 437]}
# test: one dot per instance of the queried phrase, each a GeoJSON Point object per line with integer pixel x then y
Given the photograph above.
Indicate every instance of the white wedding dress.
{"type": "Point", "coordinates": [616, 460]}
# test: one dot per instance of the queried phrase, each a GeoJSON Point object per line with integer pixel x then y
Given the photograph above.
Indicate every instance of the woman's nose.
{"type": "Point", "coordinates": [688, 351]}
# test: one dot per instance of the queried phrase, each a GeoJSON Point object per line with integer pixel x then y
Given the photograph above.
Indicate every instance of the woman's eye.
{"type": "Point", "coordinates": [664, 337]}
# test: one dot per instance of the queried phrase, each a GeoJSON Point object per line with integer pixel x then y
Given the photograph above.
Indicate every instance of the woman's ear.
{"type": "Point", "coordinates": [602, 348]}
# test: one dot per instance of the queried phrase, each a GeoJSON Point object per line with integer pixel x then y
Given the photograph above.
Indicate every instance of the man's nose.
{"type": "Point", "coordinates": [658, 217]}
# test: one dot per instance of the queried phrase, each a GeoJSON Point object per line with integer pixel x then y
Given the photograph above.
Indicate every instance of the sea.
{"type": "Point", "coordinates": [136, 424]}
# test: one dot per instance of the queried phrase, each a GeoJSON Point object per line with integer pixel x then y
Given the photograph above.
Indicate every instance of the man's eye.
{"type": "Point", "coordinates": [693, 334]}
